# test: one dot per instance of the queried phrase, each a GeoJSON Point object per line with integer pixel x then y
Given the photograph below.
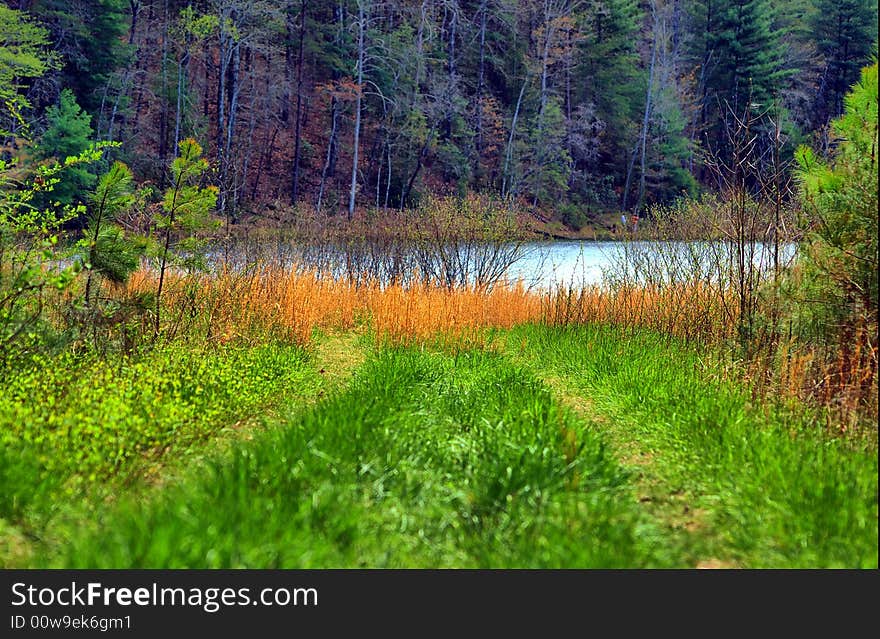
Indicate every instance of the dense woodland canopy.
{"type": "Point", "coordinates": [568, 105]}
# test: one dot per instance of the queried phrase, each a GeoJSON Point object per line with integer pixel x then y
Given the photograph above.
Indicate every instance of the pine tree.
{"type": "Point", "coordinates": [108, 253]}
{"type": "Point", "coordinates": [742, 64]}
{"type": "Point", "coordinates": [68, 134]}
{"type": "Point", "coordinates": [613, 86]}
{"type": "Point", "coordinates": [88, 34]}
{"type": "Point", "coordinates": [187, 208]}
{"type": "Point", "coordinates": [839, 199]}
{"type": "Point", "coordinates": [845, 32]}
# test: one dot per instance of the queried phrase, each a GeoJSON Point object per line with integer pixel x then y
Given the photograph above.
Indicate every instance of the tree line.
{"type": "Point", "coordinates": [565, 105]}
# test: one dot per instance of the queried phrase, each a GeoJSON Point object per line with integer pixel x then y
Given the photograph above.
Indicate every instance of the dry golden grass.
{"type": "Point", "coordinates": [270, 302]}
{"type": "Point", "coordinates": [290, 304]}
{"type": "Point", "coordinates": [257, 303]}
{"type": "Point", "coordinates": [688, 312]}
{"type": "Point", "coordinates": [420, 313]}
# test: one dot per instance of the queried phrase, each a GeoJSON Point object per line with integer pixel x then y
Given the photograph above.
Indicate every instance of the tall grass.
{"type": "Point", "coordinates": [690, 311]}
{"type": "Point", "coordinates": [773, 489]}
{"type": "Point", "coordinates": [288, 303]}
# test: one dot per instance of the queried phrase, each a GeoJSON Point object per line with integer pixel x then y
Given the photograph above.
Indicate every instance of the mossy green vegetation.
{"type": "Point", "coordinates": [72, 425]}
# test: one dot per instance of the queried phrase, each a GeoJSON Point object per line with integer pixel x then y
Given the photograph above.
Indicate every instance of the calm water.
{"type": "Point", "coordinates": [548, 264]}
{"type": "Point", "coordinates": [584, 263]}
{"type": "Point", "coordinates": [540, 265]}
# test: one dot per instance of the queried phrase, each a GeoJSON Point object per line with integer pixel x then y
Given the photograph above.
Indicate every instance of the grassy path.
{"type": "Point", "coordinates": [683, 524]}
{"type": "Point", "coordinates": [730, 483]}
{"type": "Point", "coordinates": [581, 447]}
{"type": "Point", "coordinates": [331, 362]}
{"type": "Point", "coordinates": [338, 355]}
{"type": "Point", "coordinates": [426, 459]}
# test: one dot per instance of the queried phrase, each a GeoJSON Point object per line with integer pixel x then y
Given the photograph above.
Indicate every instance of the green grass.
{"type": "Point", "coordinates": [765, 485]}
{"type": "Point", "coordinates": [426, 460]}
{"type": "Point", "coordinates": [74, 424]}
{"type": "Point", "coordinates": [572, 447]}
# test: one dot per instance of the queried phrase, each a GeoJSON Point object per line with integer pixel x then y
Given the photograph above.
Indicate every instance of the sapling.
{"type": "Point", "coordinates": [109, 253]}
{"type": "Point", "coordinates": [187, 207]}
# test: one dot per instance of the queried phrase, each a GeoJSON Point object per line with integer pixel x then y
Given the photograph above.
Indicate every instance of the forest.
{"type": "Point", "coordinates": [573, 107]}
{"type": "Point", "coordinates": [447, 284]}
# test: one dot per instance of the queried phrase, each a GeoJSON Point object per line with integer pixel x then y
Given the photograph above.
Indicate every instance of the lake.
{"type": "Point", "coordinates": [547, 265]}
{"type": "Point", "coordinates": [540, 265]}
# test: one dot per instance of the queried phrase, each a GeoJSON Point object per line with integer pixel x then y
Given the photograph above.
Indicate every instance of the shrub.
{"type": "Point", "coordinates": [574, 216]}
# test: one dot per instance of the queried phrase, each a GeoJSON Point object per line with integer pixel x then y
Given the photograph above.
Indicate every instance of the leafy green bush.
{"type": "Point", "coordinates": [574, 216]}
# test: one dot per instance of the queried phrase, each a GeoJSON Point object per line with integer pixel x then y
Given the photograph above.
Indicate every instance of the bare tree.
{"type": "Point", "coordinates": [361, 24]}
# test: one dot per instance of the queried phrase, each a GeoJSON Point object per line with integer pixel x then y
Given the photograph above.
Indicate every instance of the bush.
{"type": "Point", "coordinates": [573, 216]}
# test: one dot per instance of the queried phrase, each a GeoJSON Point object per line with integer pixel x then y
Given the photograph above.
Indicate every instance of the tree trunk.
{"type": "Point", "coordinates": [294, 193]}
{"type": "Point", "coordinates": [481, 74]}
{"type": "Point", "coordinates": [388, 177]}
{"type": "Point", "coordinates": [163, 116]}
{"type": "Point", "coordinates": [329, 169]}
{"type": "Point", "coordinates": [234, 88]}
{"type": "Point", "coordinates": [288, 65]}
{"type": "Point", "coordinates": [182, 73]}
{"type": "Point", "coordinates": [330, 163]}
{"type": "Point", "coordinates": [648, 104]}
{"type": "Point", "coordinates": [412, 178]}
{"type": "Point", "coordinates": [507, 180]}
{"type": "Point", "coordinates": [451, 72]}
{"type": "Point", "coordinates": [264, 158]}
{"type": "Point", "coordinates": [221, 108]}
{"type": "Point", "coordinates": [135, 7]}
{"type": "Point", "coordinates": [362, 26]}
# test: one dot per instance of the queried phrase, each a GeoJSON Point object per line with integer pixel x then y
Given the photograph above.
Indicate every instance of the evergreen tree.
{"type": "Point", "coordinates": [614, 83]}
{"type": "Point", "coordinates": [107, 252]}
{"type": "Point", "coordinates": [742, 64]}
{"type": "Point", "coordinates": [88, 34]}
{"type": "Point", "coordinates": [748, 54]}
{"type": "Point", "coordinates": [667, 178]}
{"type": "Point", "coordinates": [838, 260]}
{"type": "Point", "coordinates": [546, 161]}
{"type": "Point", "coordinates": [68, 134]}
{"type": "Point", "coordinates": [187, 209]}
{"type": "Point", "coordinates": [846, 33]}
